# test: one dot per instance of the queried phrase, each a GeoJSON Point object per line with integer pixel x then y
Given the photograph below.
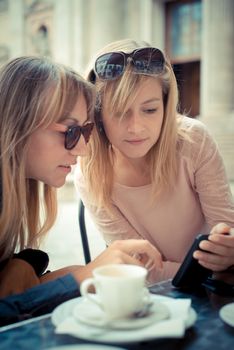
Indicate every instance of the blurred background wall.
{"type": "Point", "coordinates": [197, 35]}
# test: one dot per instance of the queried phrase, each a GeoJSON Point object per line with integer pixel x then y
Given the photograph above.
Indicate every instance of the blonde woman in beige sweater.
{"type": "Point", "coordinates": [152, 173]}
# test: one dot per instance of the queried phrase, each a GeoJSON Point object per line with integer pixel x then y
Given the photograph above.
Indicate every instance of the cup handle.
{"type": "Point", "coordinates": [146, 297]}
{"type": "Point", "coordinates": [84, 291]}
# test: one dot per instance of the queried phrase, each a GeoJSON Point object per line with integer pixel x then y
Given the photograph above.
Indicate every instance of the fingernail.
{"type": "Point", "coordinates": [136, 256]}
{"type": "Point", "coordinates": [149, 264]}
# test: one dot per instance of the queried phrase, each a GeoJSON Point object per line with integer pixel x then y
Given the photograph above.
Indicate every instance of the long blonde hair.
{"type": "Point", "coordinates": [34, 92]}
{"type": "Point", "coordinates": [97, 168]}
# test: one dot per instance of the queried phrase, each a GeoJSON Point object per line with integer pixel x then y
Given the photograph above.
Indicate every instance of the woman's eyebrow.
{"type": "Point", "coordinates": [74, 119]}
{"type": "Point", "coordinates": [154, 99]}
{"type": "Point", "coordinates": [69, 117]}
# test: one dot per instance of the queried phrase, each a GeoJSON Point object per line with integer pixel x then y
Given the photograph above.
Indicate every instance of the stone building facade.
{"type": "Point", "coordinates": [71, 31]}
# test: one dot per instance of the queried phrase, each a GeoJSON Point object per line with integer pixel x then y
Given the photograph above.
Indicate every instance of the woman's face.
{"type": "Point", "coordinates": [47, 159]}
{"type": "Point", "coordinates": [139, 129]}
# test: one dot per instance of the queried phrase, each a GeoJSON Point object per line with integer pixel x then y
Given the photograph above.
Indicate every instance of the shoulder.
{"type": "Point", "coordinates": [194, 128]}
{"type": "Point", "coordinates": [194, 140]}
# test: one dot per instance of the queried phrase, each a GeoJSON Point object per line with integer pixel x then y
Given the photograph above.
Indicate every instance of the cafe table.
{"type": "Point", "coordinates": [208, 332]}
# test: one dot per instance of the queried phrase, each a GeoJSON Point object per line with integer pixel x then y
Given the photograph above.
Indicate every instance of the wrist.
{"type": "Point", "coordinates": [82, 273]}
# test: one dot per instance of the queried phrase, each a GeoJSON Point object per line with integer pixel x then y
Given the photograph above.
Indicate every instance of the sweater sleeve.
{"type": "Point", "coordinates": [38, 300]}
{"type": "Point", "coordinates": [210, 179]}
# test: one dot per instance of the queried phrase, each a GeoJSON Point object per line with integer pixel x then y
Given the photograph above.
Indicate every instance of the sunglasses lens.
{"type": "Point", "coordinates": [72, 137]}
{"type": "Point", "coordinates": [148, 61]}
{"type": "Point", "coordinates": [87, 131]}
{"type": "Point", "coordinates": [110, 66]}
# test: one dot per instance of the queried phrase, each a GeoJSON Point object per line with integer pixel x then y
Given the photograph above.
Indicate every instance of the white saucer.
{"type": "Point", "coordinates": [89, 313]}
{"type": "Point", "coordinates": [226, 313]}
{"type": "Point", "coordinates": [117, 336]}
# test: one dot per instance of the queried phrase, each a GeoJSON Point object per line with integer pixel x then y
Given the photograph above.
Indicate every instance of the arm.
{"type": "Point", "coordinates": [217, 205]}
{"type": "Point", "coordinates": [38, 300]}
{"type": "Point", "coordinates": [210, 181]}
{"type": "Point", "coordinates": [45, 297]}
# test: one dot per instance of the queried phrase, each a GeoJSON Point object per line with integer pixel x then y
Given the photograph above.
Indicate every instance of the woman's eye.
{"type": "Point", "coordinates": [69, 127]}
{"type": "Point", "coordinates": [150, 110]}
{"type": "Point", "coordinates": [66, 129]}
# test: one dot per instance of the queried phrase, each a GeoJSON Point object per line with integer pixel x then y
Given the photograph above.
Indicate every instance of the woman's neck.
{"type": "Point", "coordinates": [129, 171]}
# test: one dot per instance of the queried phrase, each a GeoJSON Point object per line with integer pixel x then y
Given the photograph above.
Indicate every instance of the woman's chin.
{"type": "Point", "coordinates": [57, 184]}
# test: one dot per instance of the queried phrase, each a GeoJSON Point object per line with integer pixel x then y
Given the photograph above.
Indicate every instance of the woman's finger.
{"type": "Point", "coordinates": [140, 247]}
{"type": "Point", "coordinates": [209, 266]}
{"type": "Point", "coordinates": [220, 228]}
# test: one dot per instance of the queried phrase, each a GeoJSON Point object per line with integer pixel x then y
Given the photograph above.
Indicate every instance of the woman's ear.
{"type": "Point", "coordinates": [100, 127]}
{"type": "Point", "coordinates": [98, 119]}
{"type": "Point", "coordinates": [99, 122]}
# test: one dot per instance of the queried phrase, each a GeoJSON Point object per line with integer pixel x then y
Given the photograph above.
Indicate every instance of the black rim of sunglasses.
{"type": "Point", "coordinates": [151, 55]}
{"type": "Point", "coordinates": [73, 134]}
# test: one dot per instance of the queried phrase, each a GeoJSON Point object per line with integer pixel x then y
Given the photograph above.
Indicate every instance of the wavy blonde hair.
{"type": "Point", "coordinates": [97, 168]}
{"type": "Point", "coordinates": [34, 92]}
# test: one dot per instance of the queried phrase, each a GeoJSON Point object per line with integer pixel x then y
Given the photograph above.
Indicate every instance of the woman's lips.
{"type": "Point", "coordinates": [66, 168]}
{"type": "Point", "coordinates": [136, 142]}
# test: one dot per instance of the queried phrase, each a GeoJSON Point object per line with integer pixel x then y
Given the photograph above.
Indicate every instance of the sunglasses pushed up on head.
{"type": "Point", "coordinates": [111, 65]}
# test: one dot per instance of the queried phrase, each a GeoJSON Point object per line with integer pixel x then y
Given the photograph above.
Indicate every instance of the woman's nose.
{"type": "Point", "coordinates": [135, 124]}
{"type": "Point", "coordinates": [80, 149]}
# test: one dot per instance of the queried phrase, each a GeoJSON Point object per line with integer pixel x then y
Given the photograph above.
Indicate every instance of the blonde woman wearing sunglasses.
{"type": "Point", "coordinates": [152, 173]}
{"type": "Point", "coordinates": [46, 113]}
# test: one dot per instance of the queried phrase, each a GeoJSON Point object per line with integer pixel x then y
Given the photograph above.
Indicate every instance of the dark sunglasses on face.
{"type": "Point", "coordinates": [147, 60]}
{"type": "Point", "coordinates": [73, 133]}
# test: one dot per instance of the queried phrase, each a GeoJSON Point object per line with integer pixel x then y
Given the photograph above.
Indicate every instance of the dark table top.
{"type": "Point", "coordinates": [208, 332]}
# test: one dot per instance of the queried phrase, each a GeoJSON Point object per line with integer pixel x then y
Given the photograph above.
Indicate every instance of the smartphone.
{"type": "Point", "coordinates": [191, 273]}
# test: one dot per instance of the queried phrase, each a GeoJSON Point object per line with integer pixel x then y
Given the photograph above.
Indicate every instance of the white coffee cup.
{"type": "Point", "coordinates": [120, 289]}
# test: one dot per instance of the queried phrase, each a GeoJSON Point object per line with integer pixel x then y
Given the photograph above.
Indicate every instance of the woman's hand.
{"type": "Point", "coordinates": [131, 251]}
{"type": "Point", "coordinates": [221, 244]}
{"type": "Point", "coordinates": [16, 277]}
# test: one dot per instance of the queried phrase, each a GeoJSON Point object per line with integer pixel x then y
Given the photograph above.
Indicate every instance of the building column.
{"type": "Point", "coordinates": [158, 24]}
{"type": "Point", "coordinates": [79, 28]}
{"type": "Point", "coordinates": [107, 23]}
{"type": "Point", "coordinates": [17, 25]}
{"type": "Point", "coordinates": [217, 76]}
{"type": "Point", "coordinates": [63, 31]}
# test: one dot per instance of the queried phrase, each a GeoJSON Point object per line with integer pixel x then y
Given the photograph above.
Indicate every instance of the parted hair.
{"type": "Point", "coordinates": [118, 94]}
{"type": "Point", "coordinates": [34, 92]}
